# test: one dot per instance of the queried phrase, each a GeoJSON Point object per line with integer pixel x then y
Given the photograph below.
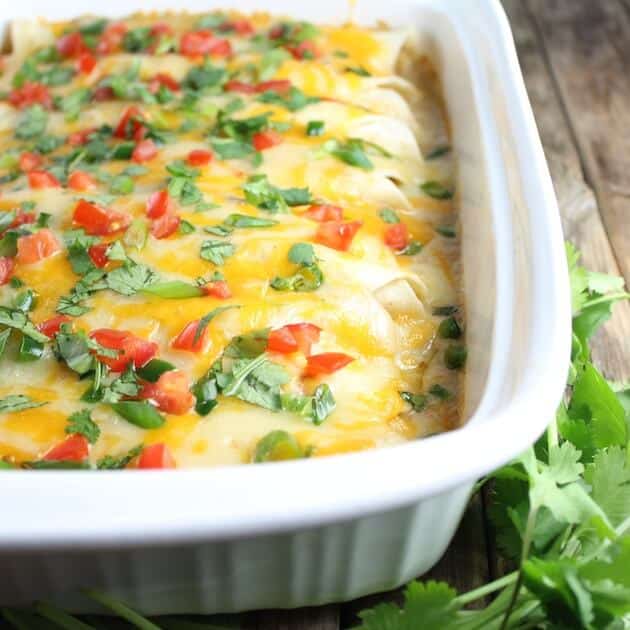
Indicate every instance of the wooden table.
{"type": "Point", "coordinates": [575, 56]}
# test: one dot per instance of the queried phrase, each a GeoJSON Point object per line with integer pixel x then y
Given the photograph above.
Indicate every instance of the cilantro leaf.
{"type": "Point", "coordinates": [294, 100]}
{"type": "Point", "coordinates": [32, 123]}
{"type": "Point", "coordinates": [430, 606]}
{"type": "Point", "coordinates": [16, 319]}
{"type": "Point", "coordinates": [130, 278]}
{"type": "Point", "coordinates": [216, 251]}
{"type": "Point", "coordinates": [609, 477]}
{"type": "Point", "coordinates": [111, 462]}
{"type": "Point", "coordinates": [81, 422]}
{"type": "Point", "coordinates": [18, 402]}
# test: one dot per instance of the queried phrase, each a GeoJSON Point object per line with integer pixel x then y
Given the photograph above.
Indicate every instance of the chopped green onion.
{"type": "Point", "coordinates": [154, 369]}
{"type": "Point", "coordinates": [277, 446]}
{"type": "Point", "coordinates": [436, 190]}
{"type": "Point", "coordinates": [140, 413]}
{"type": "Point", "coordinates": [449, 329]}
{"type": "Point", "coordinates": [315, 128]}
{"type": "Point", "coordinates": [455, 357]}
{"type": "Point", "coordinates": [173, 290]}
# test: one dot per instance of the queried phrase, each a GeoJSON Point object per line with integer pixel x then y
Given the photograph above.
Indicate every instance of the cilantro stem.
{"type": "Point", "coordinates": [527, 541]}
{"type": "Point", "coordinates": [60, 617]}
{"type": "Point", "coordinates": [122, 610]}
{"type": "Point", "coordinates": [486, 589]}
{"type": "Point", "coordinates": [609, 297]}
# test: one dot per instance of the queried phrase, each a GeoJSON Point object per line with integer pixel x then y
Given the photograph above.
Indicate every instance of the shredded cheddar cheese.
{"type": "Point", "coordinates": [223, 239]}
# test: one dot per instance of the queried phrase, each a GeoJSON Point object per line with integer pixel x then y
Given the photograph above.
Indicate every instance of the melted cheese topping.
{"type": "Point", "coordinates": [370, 151]}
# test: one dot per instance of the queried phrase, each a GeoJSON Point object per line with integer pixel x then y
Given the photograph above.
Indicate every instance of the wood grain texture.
{"type": "Point", "coordinates": [588, 47]}
{"type": "Point", "coordinates": [320, 618]}
{"type": "Point", "coordinates": [563, 140]}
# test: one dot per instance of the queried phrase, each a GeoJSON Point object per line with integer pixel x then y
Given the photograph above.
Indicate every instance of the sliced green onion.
{"type": "Point", "coordinates": [436, 190]}
{"type": "Point", "coordinates": [30, 350]}
{"type": "Point", "coordinates": [315, 128]}
{"type": "Point", "coordinates": [154, 369]}
{"type": "Point", "coordinates": [136, 235]}
{"type": "Point", "coordinates": [277, 446]}
{"type": "Point", "coordinates": [449, 329]}
{"type": "Point", "coordinates": [455, 357]}
{"type": "Point", "coordinates": [140, 413]}
{"type": "Point", "coordinates": [173, 290]}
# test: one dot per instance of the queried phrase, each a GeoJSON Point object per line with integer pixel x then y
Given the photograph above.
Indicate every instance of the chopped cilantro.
{"type": "Point", "coordinates": [32, 123]}
{"type": "Point", "coordinates": [81, 422]}
{"type": "Point", "coordinates": [388, 215]}
{"type": "Point", "coordinates": [18, 402]}
{"type": "Point", "coordinates": [216, 251]}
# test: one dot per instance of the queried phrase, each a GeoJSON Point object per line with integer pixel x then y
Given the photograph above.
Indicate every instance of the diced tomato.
{"type": "Point", "coordinates": [103, 93]}
{"type": "Point", "coordinates": [326, 363]}
{"type": "Point", "coordinates": [161, 28]}
{"type": "Point", "coordinates": [293, 337]}
{"type": "Point", "coordinates": [51, 326]}
{"type": "Point", "coordinates": [158, 203]}
{"type": "Point", "coordinates": [189, 340]}
{"type": "Point", "coordinates": [163, 79]}
{"type": "Point", "coordinates": [42, 179]}
{"type": "Point", "coordinates": [35, 247]}
{"type": "Point", "coordinates": [79, 138]}
{"type": "Point", "coordinates": [156, 456]}
{"type": "Point", "coordinates": [239, 86]}
{"type": "Point", "coordinates": [218, 289]}
{"type": "Point", "coordinates": [337, 235]}
{"type": "Point", "coordinates": [242, 27]}
{"type": "Point", "coordinates": [266, 139]}
{"type": "Point", "coordinates": [129, 123]}
{"type": "Point", "coordinates": [30, 94]}
{"type": "Point", "coordinates": [397, 236]}
{"type": "Point", "coordinates": [277, 31]}
{"type": "Point", "coordinates": [111, 39]}
{"type": "Point", "coordinates": [306, 335]}
{"type": "Point", "coordinates": [6, 269]}
{"type": "Point", "coordinates": [71, 45]}
{"type": "Point", "coordinates": [22, 218]}
{"type": "Point", "coordinates": [282, 340]}
{"type": "Point", "coordinates": [277, 85]}
{"type": "Point", "coordinates": [171, 393]}
{"type": "Point", "coordinates": [97, 220]}
{"type": "Point", "coordinates": [324, 212]}
{"type": "Point", "coordinates": [85, 63]}
{"type": "Point", "coordinates": [79, 180]}
{"type": "Point", "coordinates": [144, 151]}
{"type": "Point", "coordinates": [304, 50]}
{"type": "Point", "coordinates": [98, 254]}
{"type": "Point", "coordinates": [199, 157]}
{"type": "Point", "coordinates": [204, 42]}
{"type": "Point", "coordinates": [165, 225]}
{"type": "Point", "coordinates": [74, 448]}
{"type": "Point", "coordinates": [131, 348]}
{"type": "Point", "coordinates": [30, 161]}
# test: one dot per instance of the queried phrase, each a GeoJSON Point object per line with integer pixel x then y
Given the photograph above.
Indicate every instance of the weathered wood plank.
{"type": "Point", "coordinates": [578, 204]}
{"type": "Point", "coordinates": [464, 565]}
{"type": "Point", "coordinates": [588, 47]}
{"type": "Point", "coordinates": [321, 618]}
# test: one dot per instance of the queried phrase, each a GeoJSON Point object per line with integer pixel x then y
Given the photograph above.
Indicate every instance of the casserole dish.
{"type": "Point", "coordinates": [315, 531]}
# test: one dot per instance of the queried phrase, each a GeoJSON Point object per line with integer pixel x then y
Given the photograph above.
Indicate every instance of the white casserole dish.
{"type": "Point", "coordinates": [309, 532]}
